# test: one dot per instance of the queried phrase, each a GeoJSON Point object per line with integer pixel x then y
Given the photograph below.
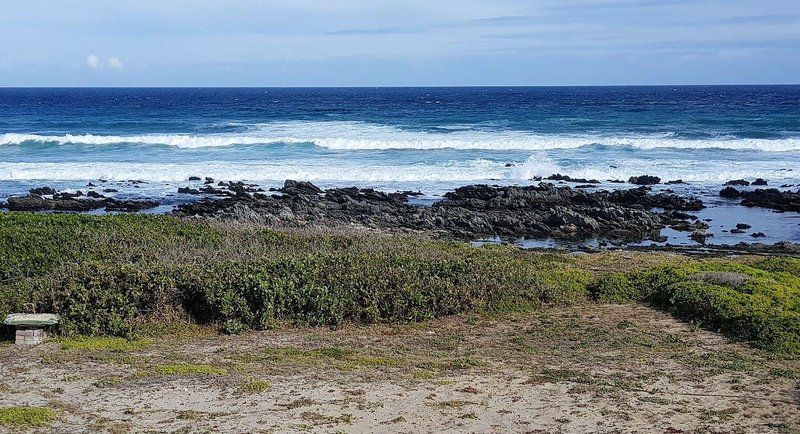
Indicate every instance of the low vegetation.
{"type": "Point", "coordinates": [255, 386]}
{"type": "Point", "coordinates": [757, 301]}
{"type": "Point", "coordinates": [113, 344]}
{"type": "Point", "coordinates": [106, 274]}
{"type": "Point", "coordinates": [25, 417]}
{"type": "Point", "coordinates": [188, 369]}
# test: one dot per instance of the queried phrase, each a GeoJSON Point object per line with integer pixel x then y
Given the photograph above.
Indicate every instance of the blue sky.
{"type": "Point", "coordinates": [397, 42]}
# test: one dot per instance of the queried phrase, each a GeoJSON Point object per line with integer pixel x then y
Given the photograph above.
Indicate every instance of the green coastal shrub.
{"type": "Point", "coordinates": [105, 274]}
{"type": "Point", "coordinates": [110, 272]}
{"type": "Point", "coordinates": [615, 288]}
{"type": "Point", "coordinates": [742, 301]}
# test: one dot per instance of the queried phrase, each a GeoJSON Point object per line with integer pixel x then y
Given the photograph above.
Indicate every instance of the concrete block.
{"type": "Point", "coordinates": [30, 337]}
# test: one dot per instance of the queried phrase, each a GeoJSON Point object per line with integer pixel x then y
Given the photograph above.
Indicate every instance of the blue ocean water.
{"type": "Point", "coordinates": [428, 139]}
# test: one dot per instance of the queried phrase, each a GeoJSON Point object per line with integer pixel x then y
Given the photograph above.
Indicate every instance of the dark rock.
{"type": "Point", "coordinates": [729, 193]}
{"type": "Point", "coordinates": [760, 181]}
{"type": "Point", "coordinates": [194, 178]}
{"type": "Point", "coordinates": [91, 184]}
{"type": "Point", "coordinates": [644, 180]}
{"type": "Point", "coordinates": [675, 181]}
{"type": "Point", "coordinates": [38, 203]}
{"type": "Point", "coordinates": [743, 226]}
{"type": "Point", "coordinates": [75, 202]}
{"type": "Point", "coordinates": [700, 236]}
{"type": "Point", "coordinates": [560, 177]}
{"type": "Point", "coordinates": [42, 191]}
{"type": "Point", "coordinates": [293, 188]}
{"type": "Point", "coordinates": [738, 182]}
{"type": "Point", "coordinates": [758, 235]}
{"type": "Point", "coordinates": [187, 190]}
{"type": "Point", "coordinates": [129, 205]}
{"type": "Point", "coordinates": [642, 197]}
{"type": "Point", "coordinates": [765, 198]}
{"type": "Point", "coordinates": [616, 181]}
{"type": "Point", "coordinates": [110, 190]}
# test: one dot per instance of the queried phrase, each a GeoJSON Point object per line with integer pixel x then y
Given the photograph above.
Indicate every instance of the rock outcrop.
{"type": "Point", "coordinates": [468, 212]}
{"type": "Point", "coordinates": [765, 198]}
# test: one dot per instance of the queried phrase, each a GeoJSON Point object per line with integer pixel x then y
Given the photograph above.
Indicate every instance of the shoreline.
{"type": "Point", "coordinates": [558, 212]}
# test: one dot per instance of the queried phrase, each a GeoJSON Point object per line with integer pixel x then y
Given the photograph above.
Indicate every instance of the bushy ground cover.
{"type": "Point", "coordinates": [106, 274]}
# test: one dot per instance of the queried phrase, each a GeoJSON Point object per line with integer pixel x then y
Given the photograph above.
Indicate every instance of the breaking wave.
{"type": "Point", "coordinates": [368, 136]}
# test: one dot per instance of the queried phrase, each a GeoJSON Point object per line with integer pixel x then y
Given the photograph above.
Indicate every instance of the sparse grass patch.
{"type": "Point", "coordinates": [426, 374]}
{"type": "Point", "coordinates": [72, 378]}
{"type": "Point", "coordinates": [784, 373]}
{"type": "Point", "coordinates": [723, 361]}
{"type": "Point", "coordinates": [26, 417]}
{"type": "Point", "coordinates": [322, 419]}
{"type": "Point", "coordinates": [254, 386]}
{"type": "Point", "coordinates": [454, 403]}
{"type": "Point", "coordinates": [346, 360]}
{"type": "Point", "coordinates": [188, 369]}
{"type": "Point", "coordinates": [189, 415]}
{"type": "Point", "coordinates": [302, 402]}
{"type": "Point", "coordinates": [103, 343]}
{"type": "Point", "coordinates": [108, 381]}
{"type": "Point", "coordinates": [462, 363]}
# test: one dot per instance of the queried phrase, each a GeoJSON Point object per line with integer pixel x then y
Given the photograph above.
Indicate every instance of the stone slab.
{"type": "Point", "coordinates": [32, 319]}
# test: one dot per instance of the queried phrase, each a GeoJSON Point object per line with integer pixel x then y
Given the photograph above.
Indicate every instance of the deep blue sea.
{"type": "Point", "coordinates": [428, 139]}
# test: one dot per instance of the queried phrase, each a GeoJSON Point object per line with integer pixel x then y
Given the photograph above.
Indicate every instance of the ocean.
{"type": "Point", "coordinates": [426, 139]}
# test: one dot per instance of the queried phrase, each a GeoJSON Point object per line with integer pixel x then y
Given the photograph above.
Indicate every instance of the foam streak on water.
{"type": "Point", "coordinates": [366, 136]}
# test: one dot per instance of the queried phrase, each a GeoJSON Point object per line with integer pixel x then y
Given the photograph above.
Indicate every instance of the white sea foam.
{"type": "Point", "coordinates": [350, 171]}
{"type": "Point", "coordinates": [341, 135]}
{"type": "Point", "coordinates": [320, 171]}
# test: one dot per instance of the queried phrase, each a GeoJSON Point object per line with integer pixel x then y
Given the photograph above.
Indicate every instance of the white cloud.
{"type": "Point", "coordinates": [114, 63]}
{"type": "Point", "coordinates": [93, 61]}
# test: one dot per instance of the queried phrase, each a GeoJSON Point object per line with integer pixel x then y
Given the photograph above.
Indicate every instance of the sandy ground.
{"type": "Point", "coordinates": [590, 368]}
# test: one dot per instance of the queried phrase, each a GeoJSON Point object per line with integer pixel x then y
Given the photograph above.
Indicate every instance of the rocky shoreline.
{"type": "Point", "coordinates": [545, 210]}
{"type": "Point", "coordinates": [468, 212]}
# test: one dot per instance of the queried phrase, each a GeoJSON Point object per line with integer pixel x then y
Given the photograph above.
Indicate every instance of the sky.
{"type": "Point", "coordinates": [398, 42]}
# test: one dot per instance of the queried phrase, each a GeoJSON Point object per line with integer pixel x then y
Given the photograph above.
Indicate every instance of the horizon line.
{"type": "Point", "coordinates": [400, 86]}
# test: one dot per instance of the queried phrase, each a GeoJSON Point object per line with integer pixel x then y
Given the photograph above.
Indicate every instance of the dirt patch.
{"type": "Point", "coordinates": [585, 368]}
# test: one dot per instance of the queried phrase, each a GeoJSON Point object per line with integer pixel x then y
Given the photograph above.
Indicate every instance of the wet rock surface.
{"type": "Point", "coordinates": [765, 198]}
{"type": "Point", "coordinates": [644, 180]}
{"type": "Point", "coordinates": [48, 199]}
{"type": "Point", "coordinates": [468, 212]}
